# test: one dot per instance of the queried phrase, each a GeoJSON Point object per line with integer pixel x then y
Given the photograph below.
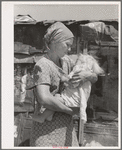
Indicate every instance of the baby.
{"type": "Point", "coordinates": [74, 95]}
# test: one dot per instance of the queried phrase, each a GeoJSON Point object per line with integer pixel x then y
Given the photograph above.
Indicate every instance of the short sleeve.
{"type": "Point", "coordinates": [42, 74]}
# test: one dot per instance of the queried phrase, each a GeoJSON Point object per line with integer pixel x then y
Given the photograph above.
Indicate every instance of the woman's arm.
{"type": "Point", "coordinates": [51, 102]}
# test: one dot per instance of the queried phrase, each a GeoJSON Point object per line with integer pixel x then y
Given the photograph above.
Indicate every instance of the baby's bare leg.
{"type": "Point", "coordinates": [37, 118]}
{"type": "Point", "coordinates": [46, 115]}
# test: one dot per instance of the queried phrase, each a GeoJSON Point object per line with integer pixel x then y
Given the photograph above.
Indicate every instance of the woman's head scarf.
{"type": "Point", "coordinates": [56, 33]}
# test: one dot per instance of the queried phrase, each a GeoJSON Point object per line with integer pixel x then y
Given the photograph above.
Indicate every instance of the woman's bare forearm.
{"type": "Point", "coordinates": [51, 102]}
{"type": "Point", "coordinates": [56, 105]}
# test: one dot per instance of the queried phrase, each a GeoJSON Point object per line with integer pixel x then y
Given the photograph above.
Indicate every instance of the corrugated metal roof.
{"type": "Point", "coordinates": [66, 22]}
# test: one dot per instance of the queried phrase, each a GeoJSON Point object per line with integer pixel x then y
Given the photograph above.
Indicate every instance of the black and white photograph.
{"type": "Point", "coordinates": [61, 74]}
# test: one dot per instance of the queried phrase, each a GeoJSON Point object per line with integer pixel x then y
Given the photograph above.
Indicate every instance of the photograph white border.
{"type": "Point", "coordinates": [7, 57]}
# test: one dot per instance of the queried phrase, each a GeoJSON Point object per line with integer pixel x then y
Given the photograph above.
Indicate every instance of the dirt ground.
{"type": "Point", "coordinates": [93, 140]}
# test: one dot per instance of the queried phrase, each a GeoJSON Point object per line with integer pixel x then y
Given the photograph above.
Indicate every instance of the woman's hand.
{"type": "Point", "coordinates": [75, 110]}
{"type": "Point", "coordinates": [83, 76]}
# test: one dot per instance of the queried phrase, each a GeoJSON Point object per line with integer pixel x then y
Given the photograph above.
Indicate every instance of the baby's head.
{"type": "Point", "coordinates": [87, 62]}
{"type": "Point", "coordinates": [81, 59]}
{"type": "Point", "coordinates": [93, 64]}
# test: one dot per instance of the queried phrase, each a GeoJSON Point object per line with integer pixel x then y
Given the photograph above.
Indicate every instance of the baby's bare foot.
{"type": "Point", "coordinates": [38, 118]}
{"type": "Point", "coordinates": [50, 118]}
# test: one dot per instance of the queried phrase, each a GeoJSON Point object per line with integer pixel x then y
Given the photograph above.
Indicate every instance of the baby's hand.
{"type": "Point", "coordinates": [64, 78]}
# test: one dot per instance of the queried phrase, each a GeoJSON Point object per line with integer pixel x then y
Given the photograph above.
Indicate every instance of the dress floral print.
{"type": "Point", "coordinates": [59, 131]}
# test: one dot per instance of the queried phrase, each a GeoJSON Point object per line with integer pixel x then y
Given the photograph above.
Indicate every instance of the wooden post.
{"type": "Point", "coordinates": [81, 121]}
{"type": "Point", "coordinates": [81, 132]}
{"type": "Point", "coordinates": [78, 45]}
{"type": "Point", "coordinates": [85, 47]}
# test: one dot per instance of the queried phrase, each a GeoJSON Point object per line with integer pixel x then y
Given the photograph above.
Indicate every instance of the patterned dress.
{"type": "Point", "coordinates": [59, 131]}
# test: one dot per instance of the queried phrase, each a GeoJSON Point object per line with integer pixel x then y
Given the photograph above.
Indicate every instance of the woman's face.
{"type": "Point", "coordinates": [62, 48]}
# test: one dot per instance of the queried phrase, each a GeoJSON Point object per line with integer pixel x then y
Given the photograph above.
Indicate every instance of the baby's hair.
{"type": "Point", "coordinates": [80, 59]}
{"type": "Point", "coordinates": [91, 61]}
{"type": "Point", "coordinates": [96, 67]}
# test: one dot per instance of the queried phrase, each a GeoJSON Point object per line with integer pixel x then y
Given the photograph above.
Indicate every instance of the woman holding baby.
{"type": "Point", "coordinates": [59, 131]}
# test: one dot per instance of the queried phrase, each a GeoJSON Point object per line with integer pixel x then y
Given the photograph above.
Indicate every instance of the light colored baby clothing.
{"type": "Point", "coordinates": [72, 97]}
{"type": "Point", "coordinates": [71, 94]}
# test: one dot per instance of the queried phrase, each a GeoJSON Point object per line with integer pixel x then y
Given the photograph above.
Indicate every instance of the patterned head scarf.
{"type": "Point", "coordinates": [57, 32]}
